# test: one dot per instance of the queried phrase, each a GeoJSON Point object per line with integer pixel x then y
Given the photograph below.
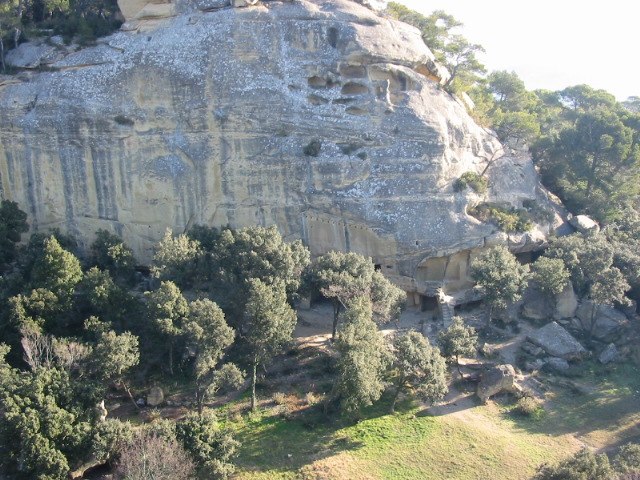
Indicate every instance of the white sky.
{"type": "Point", "coordinates": [554, 43]}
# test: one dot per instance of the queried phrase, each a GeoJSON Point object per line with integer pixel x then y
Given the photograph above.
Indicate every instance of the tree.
{"type": "Point", "coordinates": [417, 366]}
{"type": "Point", "coordinates": [150, 456]}
{"type": "Point", "coordinates": [56, 270]}
{"type": "Point", "coordinates": [110, 253]}
{"type": "Point", "coordinates": [584, 465]}
{"type": "Point", "coordinates": [343, 277]}
{"type": "Point", "coordinates": [363, 358]}
{"type": "Point", "coordinates": [270, 323]}
{"type": "Point", "coordinates": [211, 447]}
{"type": "Point", "coordinates": [13, 223]}
{"type": "Point", "coordinates": [235, 256]}
{"type": "Point", "coordinates": [457, 340]}
{"type": "Point", "coordinates": [500, 275]}
{"type": "Point", "coordinates": [176, 258]}
{"type": "Point", "coordinates": [167, 310]}
{"type": "Point", "coordinates": [550, 275]}
{"type": "Point", "coordinates": [208, 336]}
{"type": "Point", "coordinates": [627, 460]}
{"type": "Point", "coordinates": [113, 355]}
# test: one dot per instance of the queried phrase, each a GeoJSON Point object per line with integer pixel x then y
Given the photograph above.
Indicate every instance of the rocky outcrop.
{"type": "Point", "coordinates": [602, 322]}
{"type": "Point", "coordinates": [320, 117]}
{"type": "Point", "coordinates": [557, 342]}
{"type": "Point", "coordinates": [498, 379]}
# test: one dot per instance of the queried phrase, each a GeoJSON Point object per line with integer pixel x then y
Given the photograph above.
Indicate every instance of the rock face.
{"type": "Point", "coordinates": [607, 323]}
{"type": "Point", "coordinates": [317, 116]}
{"type": "Point", "coordinates": [566, 303]}
{"type": "Point", "coordinates": [498, 379]}
{"type": "Point", "coordinates": [557, 342]}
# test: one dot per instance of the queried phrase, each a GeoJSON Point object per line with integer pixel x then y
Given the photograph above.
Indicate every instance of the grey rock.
{"type": "Point", "coordinates": [535, 365]}
{"type": "Point", "coordinates": [155, 397]}
{"type": "Point", "coordinates": [536, 306]}
{"type": "Point", "coordinates": [97, 144]}
{"type": "Point", "coordinates": [608, 323]}
{"type": "Point", "coordinates": [556, 364]}
{"type": "Point", "coordinates": [497, 379]}
{"type": "Point", "coordinates": [584, 224]}
{"type": "Point", "coordinates": [32, 54]}
{"type": "Point", "coordinates": [609, 354]}
{"type": "Point", "coordinates": [141, 402]}
{"type": "Point", "coordinates": [531, 349]}
{"type": "Point", "coordinates": [557, 342]}
{"type": "Point", "coordinates": [566, 303]}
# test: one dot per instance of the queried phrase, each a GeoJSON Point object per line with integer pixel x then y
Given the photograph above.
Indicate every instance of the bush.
{"type": "Point", "coordinates": [508, 220]}
{"type": "Point", "coordinates": [477, 183]}
{"type": "Point", "coordinates": [313, 148]}
{"type": "Point", "coordinates": [529, 407]}
{"type": "Point", "coordinates": [153, 456]}
{"type": "Point", "coordinates": [627, 461]}
{"type": "Point", "coordinates": [584, 465]}
{"type": "Point", "coordinates": [279, 398]}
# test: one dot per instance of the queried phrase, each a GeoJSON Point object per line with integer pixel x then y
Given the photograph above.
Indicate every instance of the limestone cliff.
{"type": "Point", "coordinates": [318, 116]}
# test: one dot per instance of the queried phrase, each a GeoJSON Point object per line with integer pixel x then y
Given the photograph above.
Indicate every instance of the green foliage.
{"type": "Point", "coordinates": [419, 367]}
{"type": "Point", "coordinates": [269, 324]}
{"type": "Point", "coordinates": [458, 340]}
{"type": "Point", "coordinates": [115, 354]}
{"type": "Point", "coordinates": [13, 223]}
{"type": "Point", "coordinates": [550, 275]}
{"type": "Point", "coordinates": [109, 438]}
{"type": "Point", "coordinates": [501, 276]}
{"type": "Point", "coordinates": [363, 358]}
{"type": "Point", "coordinates": [56, 270]}
{"type": "Point", "coordinates": [627, 460]}
{"type": "Point", "coordinates": [110, 253]}
{"type": "Point", "coordinates": [235, 256]}
{"type": "Point", "coordinates": [477, 183]}
{"type": "Point", "coordinates": [590, 261]}
{"type": "Point", "coordinates": [211, 447]}
{"type": "Point", "coordinates": [176, 258]}
{"type": "Point", "coordinates": [167, 311]}
{"type": "Point", "coordinates": [509, 219]}
{"type": "Point", "coordinates": [344, 277]}
{"type": "Point", "coordinates": [584, 465]}
{"type": "Point", "coordinates": [529, 407]}
{"type": "Point", "coordinates": [452, 50]}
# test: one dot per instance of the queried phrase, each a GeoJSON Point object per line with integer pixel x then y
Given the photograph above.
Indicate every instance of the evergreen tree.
{"type": "Point", "coordinates": [457, 340]}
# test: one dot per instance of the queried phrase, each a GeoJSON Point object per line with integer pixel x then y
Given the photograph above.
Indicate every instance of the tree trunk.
{"type": "Point", "coordinates": [253, 384]}
{"type": "Point", "coordinates": [126, 389]}
{"type": "Point", "coordinates": [4, 66]}
{"type": "Point", "coordinates": [336, 317]}
{"type": "Point", "coordinates": [458, 367]}
{"type": "Point", "coordinates": [395, 398]}
{"type": "Point", "coordinates": [171, 358]}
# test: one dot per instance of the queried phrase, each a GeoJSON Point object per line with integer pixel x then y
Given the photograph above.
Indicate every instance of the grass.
{"type": "Point", "coordinates": [470, 442]}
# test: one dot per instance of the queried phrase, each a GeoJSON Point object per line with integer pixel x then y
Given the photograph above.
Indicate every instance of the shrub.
{"type": "Point", "coordinates": [279, 398]}
{"type": "Point", "coordinates": [477, 183]}
{"type": "Point", "coordinates": [153, 456]}
{"type": "Point", "coordinates": [529, 407]}
{"type": "Point", "coordinates": [627, 461]}
{"type": "Point", "coordinates": [508, 220]}
{"type": "Point", "coordinates": [584, 465]}
{"type": "Point", "coordinates": [313, 148]}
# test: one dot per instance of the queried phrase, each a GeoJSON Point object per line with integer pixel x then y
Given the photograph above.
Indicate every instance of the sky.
{"type": "Point", "coordinates": [553, 44]}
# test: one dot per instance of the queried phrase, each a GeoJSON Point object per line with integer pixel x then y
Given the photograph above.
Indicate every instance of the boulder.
{"type": "Point", "coordinates": [556, 364]}
{"type": "Point", "coordinates": [101, 412]}
{"type": "Point", "coordinates": [33, 54]}
{"type": "Point", "coordinates": [498, 379]}
{"type": "Point", "coordinates": [531, 349]}
{"type": "Point", "coordinates": [608, 322]}
{"type": "Point", "coordinates": [566, 303]}
{"type": "Point", "coordinates": [584, 224]}
{"type": "Point", "coordinates": [533, 366]}
{"type": "Point", "coordinates": [155, 397]}
{"type": "Point", "coordinates": [609, 354]}
{"type": "Point", "coordinates": [535, 305]}
{"type": "Point", "coordinates": [243, 3]}
{"type": "Point", "coordinates": [557, 342]}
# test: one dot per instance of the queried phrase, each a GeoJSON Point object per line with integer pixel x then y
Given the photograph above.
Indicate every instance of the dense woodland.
{"type": "Point", "coordinates": [219, 305]}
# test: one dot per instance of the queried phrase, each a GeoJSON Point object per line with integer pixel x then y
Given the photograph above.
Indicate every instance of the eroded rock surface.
{"type": "Point", "coordinates": [208, 114]}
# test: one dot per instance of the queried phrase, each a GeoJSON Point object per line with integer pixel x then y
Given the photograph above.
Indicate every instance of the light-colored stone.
{"type": "Point", "coordinates": [566, 303]}
{"type": "Point", "coordinates": [498, 379]}
{"type": "Point", "coordinates": [584, 224]}
{"type": "Point", "coordinates": [609, 354]}
{"type": "Point", "coordinates": [101, 412]}
{"type": "Point", "coordinates": [243, 3]}
{"type": "Point", "coordinates": [607, 324]}
{"type": "Point", "coordinates": [33, 54]}
{"type": "Point", "coordinates": [155, 397]}
{"type": "Point", "coordinates": [557, 342]}
{"type": "Point", "coordinates": [204, 120]}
